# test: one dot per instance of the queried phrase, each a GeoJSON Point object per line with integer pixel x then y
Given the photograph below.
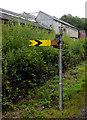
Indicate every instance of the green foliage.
{"type": "Point", "coordinates": [31, 102]}
{"type": "Point", "coordinates": [47, 106]}
{"type": "Point", "coordinates": [27, 67]}
{"type": "Point", "coordinates": [75, 21]}
{"type": "Point", "coordinates": [85, 47]}
{"type": "Point", "coordinates": [85, 24]}
{"type": "Point", "coordinates": [73, 51]}
{"type": "Point", "coordinates": [38, 115]}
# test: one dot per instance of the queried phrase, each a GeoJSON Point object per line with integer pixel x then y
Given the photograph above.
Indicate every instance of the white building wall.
{"type": "Point", "coordinates": [48, 21]}
{"type": "Point", "coordinates": [56, 26]}
{"type": "Point", "coordinates": [72, 32]}
{"type": "Point", "coordinates": [44, 19]}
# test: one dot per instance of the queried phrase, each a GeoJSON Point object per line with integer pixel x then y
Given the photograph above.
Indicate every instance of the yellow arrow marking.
{"type": "Point", "coordinates": [33, 42]}
{"type": "Point", "coordinates": [44, 42]}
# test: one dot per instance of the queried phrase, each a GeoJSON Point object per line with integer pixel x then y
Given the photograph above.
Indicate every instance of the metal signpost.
{"type": "Point", "coordinates": [60, 72]}
{"type": "Point", "coordinates": [56, 43]}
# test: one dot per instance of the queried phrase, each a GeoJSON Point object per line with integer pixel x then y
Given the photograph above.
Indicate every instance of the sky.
{"type": "Point", "coordinates": [56, 8]}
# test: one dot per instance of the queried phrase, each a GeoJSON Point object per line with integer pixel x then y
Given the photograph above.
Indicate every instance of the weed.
{"type": "Point", "coordinates": [21, 102]}
{"type": "Point", "coordinates": [19, 107]}
{"type": "Point", "coordinates": [33, 109]}
{"type": "Point", "coordinates": [35, 105]}
{"type": "Point", "coordinates": [31, 102]}
{"type": "Point", "coordinates": [48, 105]}
{"type": "Point", "coordinates": [39, 115]}
{"type": "Point", "coordinates": [25, 114]}
{"type": "Point", "coordinates": [13, 115]}
{"type": "Point", "coordinates": [40, 100]}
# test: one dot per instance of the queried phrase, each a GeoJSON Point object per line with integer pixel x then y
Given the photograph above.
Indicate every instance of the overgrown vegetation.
{"type": "Point", "coordinates": [26, 68]}
{"type": "Point", "coordinates": [80, 23]}
{"type": "Point", "coordinates": [43, 102]}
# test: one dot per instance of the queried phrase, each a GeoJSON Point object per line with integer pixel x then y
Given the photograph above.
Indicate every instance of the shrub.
{"type": "Point", "coordinates": [27, 67]}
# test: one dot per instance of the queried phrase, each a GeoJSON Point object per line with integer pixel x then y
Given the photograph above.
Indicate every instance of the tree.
{"type": "Point", "coordinates": [85, 26]}
{"type": "Point", "coordinates": [75, 21]}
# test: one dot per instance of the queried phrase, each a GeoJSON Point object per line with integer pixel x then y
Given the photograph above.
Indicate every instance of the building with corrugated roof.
{"type": "Point", "coordinates": [22, 18]}
{"type": "Point", "coordinates": [52, 21]}
{"type": "Point", "coordinates": [42, 20]}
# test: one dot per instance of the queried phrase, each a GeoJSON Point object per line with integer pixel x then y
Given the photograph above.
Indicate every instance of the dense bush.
{"type": "Point", "coordinates": [27, 67]}
{"type": "Point", "coordinates": [85, 47]}
{"type": "Point", "coordinates": [23, 66]}
{"type": "Point", "coordinates": [74, 50]}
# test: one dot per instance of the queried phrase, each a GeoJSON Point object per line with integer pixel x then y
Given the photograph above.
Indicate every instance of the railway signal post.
{"type": "Point", "coordinates": [56, 43]}
{"type": "Point", "coordinates": [60, 72]}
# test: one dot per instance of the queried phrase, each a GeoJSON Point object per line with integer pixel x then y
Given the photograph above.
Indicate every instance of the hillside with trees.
{"type": "Point", "coordinates": [80, 23]}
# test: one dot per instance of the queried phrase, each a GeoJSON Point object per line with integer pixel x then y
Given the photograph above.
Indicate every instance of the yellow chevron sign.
{"type": "Point", "coordinates": [40, 42]}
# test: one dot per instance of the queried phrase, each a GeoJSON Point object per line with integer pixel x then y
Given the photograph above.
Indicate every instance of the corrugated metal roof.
{"type": "Point", "coordinates": [57, 19]}
{"type": "Point", "coordinates": [28, 16]}
{"type": "Point", "coordinates": [10, 12]}
{"type": "Point", "coordinates": [11, 15]}
{"type": "Point", "coordinates": [5, 14]}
